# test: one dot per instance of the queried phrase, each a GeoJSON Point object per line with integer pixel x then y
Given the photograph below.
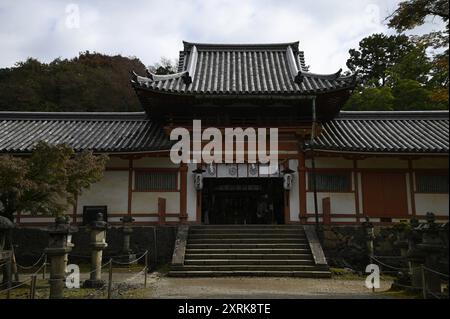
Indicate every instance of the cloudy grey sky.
{"type": "Point", "coordinates": [48, 29]}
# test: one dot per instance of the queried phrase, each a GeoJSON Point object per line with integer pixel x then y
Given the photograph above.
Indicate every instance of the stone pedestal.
{"type": "Point", "coordinates": [431, 246]}
{"type": "Point", "coordinates": [369, 236]}
{"type": "Point", "coordinates": [5, 255]}
{"type": "Point", "coordinates": [126, 254]}
{"type": "Point", "coordinates": [97, 244]}
{"type": "Point", "coordinates": [413, 255]}
{"type": "Point", "coordinates": [59, 246]}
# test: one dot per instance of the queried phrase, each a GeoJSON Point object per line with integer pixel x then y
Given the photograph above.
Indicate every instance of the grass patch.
{"type": "Point", "coordinates": [401, 294]}
{"type": "Point", "coordinates": [163, 269]}
{"type": "Point", "coordinates": [343, 273]}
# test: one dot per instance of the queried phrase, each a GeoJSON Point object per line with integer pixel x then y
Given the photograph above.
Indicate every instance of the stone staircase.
{"type": "Point", "coordinates": [247, 250]}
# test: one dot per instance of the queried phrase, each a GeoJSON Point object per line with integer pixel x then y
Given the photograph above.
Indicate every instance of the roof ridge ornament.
{"type": "Point", "coordinates": [295, 72]}
{"type": "Point", "coordinates": [192, 63]}
{"type": "Point", "coordinates": [152, 77]}
{"type": "Point", "coordinates": [332, 76]}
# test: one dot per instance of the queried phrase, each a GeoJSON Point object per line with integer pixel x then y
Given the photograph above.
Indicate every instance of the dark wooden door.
{"type": "Point", "coordinates": [384, 194]}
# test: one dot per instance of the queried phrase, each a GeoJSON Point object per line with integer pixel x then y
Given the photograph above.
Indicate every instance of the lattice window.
{"type": "Point", "coordinates": [431, 183]}
{"type": "Point", "coordinates": [330, 182]}
{"type": "Point", "coordinates": [147, 181]}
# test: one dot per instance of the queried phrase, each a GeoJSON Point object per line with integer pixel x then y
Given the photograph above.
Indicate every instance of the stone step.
{"type": "Point", "coordinates": [246, 240]}
{"type": "Point", "coordinates": [247, 256]}
{"type": "Point", "coordinates": [248, 230]}
{"type": "Point", "coordinates": [308, 262]}
{"type": "Point", "coordinates": [247, 246]}
{"type": "Point", "coordinates": [262, 273]}
{"type": "Point", "coordinates": [302, 250]}
{"type": "Point", "coordinates": [248, 235]}
{"type": "Point", "coordinates": [246, 267]}
{"type": "Point", "coordinates": [246, 227]}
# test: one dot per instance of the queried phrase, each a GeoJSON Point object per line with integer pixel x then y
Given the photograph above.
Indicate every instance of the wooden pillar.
{"type": "Point", "coordinates": [356, 185]}
{"type": "Point", "coordinates": [130, 183]}
{"type": "Point", "coordinates": [411, 188]}
{"type": "Point", "coordinates": [183, 192]}
{"type": "Point", "coordinates": [162, 210]}
{"type": "Point", "coordinates": [199, 207]}
{"type": "Point", "coordinates": [287, 209]}
{"type": "Point", "coordinates": [326, 211]}
{"type": "Point", "coordinates": [302, 186]}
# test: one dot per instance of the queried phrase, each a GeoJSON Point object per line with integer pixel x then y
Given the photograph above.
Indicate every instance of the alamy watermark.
{"type": "Point", "coordinates": [72, 20]}
{"type": "Point", "coordinates": [231, 146]}
{"type": "Point", "coordinates": [373, 279]}
{"type": "Point", "coordinates": [73, 277]}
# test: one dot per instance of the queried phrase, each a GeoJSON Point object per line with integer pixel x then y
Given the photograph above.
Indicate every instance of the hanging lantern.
{"type": "Point", "coordinates": [288, 178]}
{"type": "Point", "coordinates": [211, 170]}
{"type": "Point", "coordinates": [198, 178]}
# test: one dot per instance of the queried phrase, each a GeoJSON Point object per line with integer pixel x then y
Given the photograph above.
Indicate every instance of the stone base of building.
{"type": "Point", "coordinates": [94, 283]}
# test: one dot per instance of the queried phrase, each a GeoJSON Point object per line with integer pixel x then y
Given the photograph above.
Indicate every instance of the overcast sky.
{"type": "Point", "coordinates": [326, 29]}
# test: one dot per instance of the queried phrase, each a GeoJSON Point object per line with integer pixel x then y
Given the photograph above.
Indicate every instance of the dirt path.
{"type": "Point", "coordinates": [248, 287]}
{"type": "Point", "coordinates": [161, 286]}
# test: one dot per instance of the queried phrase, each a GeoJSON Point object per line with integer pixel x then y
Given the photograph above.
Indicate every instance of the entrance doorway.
{"type": "Point", "coordinates": [243, 201]}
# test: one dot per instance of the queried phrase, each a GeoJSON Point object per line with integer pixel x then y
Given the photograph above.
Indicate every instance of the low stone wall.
{"type": "Point", "coordinates": [345, 246]}
{"type": "Point", "coordinates": [158, 240]}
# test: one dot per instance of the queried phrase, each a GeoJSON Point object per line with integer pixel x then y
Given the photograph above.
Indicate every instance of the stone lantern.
{"type": "Point", "coordinates": [414, 255]}
{"type": "Point", "coordinates": [431, 247]}
{"type": "Point", "coordinates": [60, 244]}
{"type": "Point", "coordinates": [5, 255]}
{"type": "Point", "coordinates": [401, 242]}
{"type": "Point", "coordinates": [369, 235]}
{"type": "Point", "coordinates": [127, 255]}
{"type": "Point", "coordinates": [98, 244]}
{"type": "Point", "coordinates": [5, 230]}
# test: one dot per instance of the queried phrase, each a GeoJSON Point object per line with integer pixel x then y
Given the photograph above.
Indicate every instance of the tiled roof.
{"type": "Point", "coordinates": [100, 132]}
{"type": "Point", "coordinates": [391, 132]}
{"type": "Point", "coordinates": [244, 69]}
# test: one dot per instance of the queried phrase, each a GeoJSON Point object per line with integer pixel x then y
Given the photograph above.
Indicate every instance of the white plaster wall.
{"type": "Point", "coordinates": [147, 202]}
{"type": "Point", "coordinates": [111, 191]}
{"type": "Point", "coordinates": [435, 203]}
{"type": "Point", "coordinates": [149, 162]}
{"type": "Point", "coordinates": [330, 162]}
{"type": "Point", "coordinates": [343, 219]}
{"type": "Point", "coordinates": [115, 161]}
{"type": "Point", "coordinates": [341, 203]}
{"type": "Point", "coordinates": [191, 194]}
{"type": "Point", "coordinates": [431, 163]}
{"type": "Point", "coordinates": [382, 162]}
{"type": "Point", "coordinates": [294, 201]}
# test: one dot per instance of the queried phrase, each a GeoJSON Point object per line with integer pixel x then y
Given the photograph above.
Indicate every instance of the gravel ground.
{"type": "Point", "coordinates": [253, 287]}
{"type": "Point", "coordinates": [161, 286]}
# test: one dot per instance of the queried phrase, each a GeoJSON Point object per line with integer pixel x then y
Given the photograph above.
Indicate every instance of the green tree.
{"type": "Point", "coordinates": [413, 13]}
{"type": "Point", "coordinates": [371, 99]}
{"type": "Point", "coordinates": [411, 95]}
{"type": "Point", "coordinates": [47, 182]}
{"type": "Point", "coordinates": [89, 82]}
{"type": "Point", "coordinates": [414, 65]}
{"type": "Point", "coordinates": [376, 55]}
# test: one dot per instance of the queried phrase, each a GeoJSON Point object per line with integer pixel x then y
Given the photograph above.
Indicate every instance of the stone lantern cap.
{"type": "Point", "coordinates": [61, 226]}
{"type": "Point", "coordinates": [127, 219]}
{"type": "Point", "coordinates": [367, 223]}
{"type": "Point", "coordinates": [98, 223]}
{"type": "Point", "coordinates": [5, 224]}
